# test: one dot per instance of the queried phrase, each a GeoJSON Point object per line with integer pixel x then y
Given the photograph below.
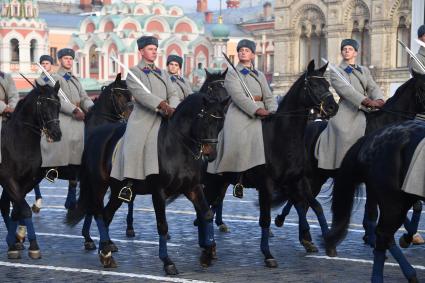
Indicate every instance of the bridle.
{"type": "Point", "coordinates": [198, 144]}
{"type": "Point", "coordinates": [119, 111]}
{"type": "Point", "coordinates": [42, 124]}
{"type": "Point", "coordinates": [316, 101]}
{"type": "Point", "coordinates": [210, 88]}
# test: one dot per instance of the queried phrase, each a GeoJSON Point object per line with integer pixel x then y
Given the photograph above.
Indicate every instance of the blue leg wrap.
{"type": "Point", "coordinates": [71, 198]}
{"type": "Point", "coordinates": [209, 233]}
{"type": "Point", "coordinates": [11, 232]}
{"type": "Point", "coordinates": [37, 192]}
{"type": "Point", "coordinates": [30, 228]}
{"type": "Point", "coordinates": [218, 209]}
{"type": "Point", "coordinates": [320, 216]}
{"type": "Point", "coordinates": [86, 226]}
{"type": "Point", "coordinates": [163, 254]}
{"type": "Point", "coordinates": [407, 269]}
{"type": "Point", "coordinates": [378, 266]}
{"type": "Point", "coordinates": [130, 214]}
{"type": "Point", "coordinates": [103, 231]}
{"type": "Point", "coordinates": [201, 231]}
{"type": "Point", "coordinates": [265, 234]}
{"type": "Point", "coordinates": [286, 209]}
{"type": "Point", "coordinates": [370, 227]}
{"type": "Point", "coordinates": [302, 222]}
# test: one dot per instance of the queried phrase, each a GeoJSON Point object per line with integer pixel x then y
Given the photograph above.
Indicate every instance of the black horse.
{"type": "Point", "coordinates": [20, 168]}
{"type": "Point", "coordinates": [381, 160]}
{"type": "Point", "coordinates": [111, 106]}
{"type": "Point", "coordinates": [190, 133]}
{"type": "Point", "coordinates": [283, 135]}
{"type": "Point", "coordinates": [404, 105]}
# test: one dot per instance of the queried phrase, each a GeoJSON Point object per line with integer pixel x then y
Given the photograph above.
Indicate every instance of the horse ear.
{"type": "Point", "coordinates": [225, 72]}
{"type": "Point", "coordinates": [118, 78]}
{"type": "Point", "coordinates": [322, 70]}
{"type": "Point", "coordinates": [208, 73]}
{"type": "Point", "coordinates": [310, 67]}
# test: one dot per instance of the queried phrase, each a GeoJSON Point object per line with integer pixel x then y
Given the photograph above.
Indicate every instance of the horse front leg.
{"type": "Point", "coordinates": [158, 199]}
{"type": "Point", "coordinates": [89, 244]}
{"type": "Point", "coordinates": [205, 224]}
{"type": "Point", "coordinates": [71, 198]}
{"type": "Point", "coordinates": [369, 219]}
{"type": "Point", "coordinates": [265, 196]}
{"type": "Point", "coordinates": [129, 232]}
{"type": "Point", "coordinates": [280, 218]}
{"type": "Point", "coordinates": [411, 225]}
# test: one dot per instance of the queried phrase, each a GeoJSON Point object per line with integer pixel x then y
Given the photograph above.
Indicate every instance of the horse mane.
{"type": "Point", "coordinates": [401, 91]}
{"type": "Point", "coordinates": [189, 106]}
{"type": "Point", "coordinates": [295, 86]}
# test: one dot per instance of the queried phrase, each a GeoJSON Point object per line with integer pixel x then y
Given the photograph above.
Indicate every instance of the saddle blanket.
{"type": "Point", "coordinates": [414, 182]}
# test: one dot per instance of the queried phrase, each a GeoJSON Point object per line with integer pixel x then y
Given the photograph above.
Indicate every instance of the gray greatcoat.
{"type": "Point", "coordinates": [414, 181]}
{"type": "Point", "coordinates": [8, 94]}
{"type": "Point", "coordinates": [240, 145]}
{"type": "Point", "coordinates": [349, 124]}
{"type": "Point", "coordinates": [136, 156]}
{"type": "Point", "coordinates": [181, 85]}
{"type": "Point", "coordinates": [69, 150]}
{"type": "Point", "coordinates": [413, 65]}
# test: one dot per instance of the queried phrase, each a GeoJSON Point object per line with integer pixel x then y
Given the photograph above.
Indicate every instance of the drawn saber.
{"type": "Point", "coordinates": [131, 74]}
{"type": "Point", "coordinates": [52, 80]}
{"type": "Point", "coordinates": [421, 43]}
{"type": "Point", "coordinates": [244, 86]}
{"type": "Point", "coordinates": [335, 70]}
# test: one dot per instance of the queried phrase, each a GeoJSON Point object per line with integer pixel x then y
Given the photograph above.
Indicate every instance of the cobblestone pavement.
{"type": "Point", "coordinates": [239, 256]}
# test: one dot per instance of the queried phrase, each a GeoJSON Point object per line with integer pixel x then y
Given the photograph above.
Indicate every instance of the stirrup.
{"type": "Point", "coordinates": [238, 190]}
{"type": "Point", "coordinates": [126, 194]}
{"type": "Point", "coordinates": [51, 175]}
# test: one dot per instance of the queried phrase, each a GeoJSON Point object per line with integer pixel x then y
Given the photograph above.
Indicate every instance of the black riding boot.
{"type": "Point", "coordinates": [126, 192]}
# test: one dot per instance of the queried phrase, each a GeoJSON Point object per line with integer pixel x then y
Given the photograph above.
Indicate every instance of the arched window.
{"type": "Point", "coordinates": [403, 34]}
{"type": "Point", "coordinates": [113, 67]}
{"type": "Point", "coordinates": [14, 50]}
{"type": "Point", "coordinates": [33, 48]}
{"type": "Point", "coordinates": [312, 37]}
{"type": "Point", "coordinates": [94, 61]}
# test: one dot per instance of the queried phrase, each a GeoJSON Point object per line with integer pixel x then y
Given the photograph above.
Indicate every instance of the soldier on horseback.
{"type": "Point", "coordinates": [349, 124]}
{"type": "Point", "coordinates": [137, 153]}
{"type": "Point", "coordinates": [181, 84]}
{"type": "Point", "coordinates": [241, 145]}
{"type": "Point", "coordinates": [69, 150]}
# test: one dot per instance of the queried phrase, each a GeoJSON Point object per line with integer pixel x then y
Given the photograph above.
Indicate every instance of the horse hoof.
{"type": "Point", "coordinates": [214, 252]}
{"type": "Point", "coordinates": [206, 257]}
{"type": "Point", "coordinates": [19, 246]}
{"type": "Point", "coordinates": [195, 222]}
{"type": "Point", "coordinates": [168, 236]}
{"type": "Point", "coordinates": [331, 252]}
{"type": "Point", "coordinates": [13, 254]}
{"type": "Point", "coordinates": [112, 247]}
{"type": "Point", "coordinates": [270, 263]}
{"type": "Point", "coordinates": [223, 228]}
{"type": "Point", "coordinates": [130, 233]}
{"type": "Point", "coordinates": [413, 280]}
{"type": "Point", "coordinates": [309, 247]}
{"type": "Point", "coordinates": [34, 254]}
{"type": "Point", "coordinates": [35, 208]}
{"type": "Point", "coordinates": [171, 269]}
{"type": "Point", "coordinates": [404, 241]}
{"type": "Point", "coordinates": [107, 260]}
{"type": "Point", "coordinates": [278, 221]}
{"type": "Point", "coordinates": [89, 246]}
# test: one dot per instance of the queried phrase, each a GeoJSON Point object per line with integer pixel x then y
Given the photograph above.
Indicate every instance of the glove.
{"type": "Point", "coordinates": [166, 109]}
{"type": "Point", "coordinates": [78, 114]}
{"type": "Point", "coordinates": [261, 112]}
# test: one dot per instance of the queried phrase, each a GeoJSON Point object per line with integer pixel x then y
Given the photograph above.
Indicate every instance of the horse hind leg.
{"type": "Point", "coordinates": [89, 244]}
{"type": "Point", "coordinates": [280, 218]}
{"type": "Point", "coordinates": [412, 226]}
{"type": "Point", "coordinates": [36, 207]}
{"type": "Point", "coordinates": [71, 198]}
{"type": "Point", "coordinates": [304, 229]}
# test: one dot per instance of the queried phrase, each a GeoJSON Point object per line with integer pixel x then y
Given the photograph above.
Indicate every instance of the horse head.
{"type": "Point", "coordinates": [316, 92]}
{"type": "Point", "coordinates": [46, 109]}
{"type": "Point", "coordinates": [214, 85]}
{"type": "Point", "coordinates": [200, 117]}
{"type": "Point", "coordinates": [118, 97]}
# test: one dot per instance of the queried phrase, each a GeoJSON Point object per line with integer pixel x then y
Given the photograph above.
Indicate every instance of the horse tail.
{"type": "Point", "coordinates": [345, 184]}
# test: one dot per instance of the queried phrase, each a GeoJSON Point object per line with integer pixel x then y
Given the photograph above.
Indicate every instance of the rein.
{"type": "Point", "coordinates": [199, 144]}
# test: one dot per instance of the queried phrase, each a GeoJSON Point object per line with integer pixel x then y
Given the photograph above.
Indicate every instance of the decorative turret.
{"type": "Point", "coordinates": [19, 9]}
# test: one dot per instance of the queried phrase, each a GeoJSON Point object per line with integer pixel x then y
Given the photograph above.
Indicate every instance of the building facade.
{"type": "Point", "coordinates": [306, 30]}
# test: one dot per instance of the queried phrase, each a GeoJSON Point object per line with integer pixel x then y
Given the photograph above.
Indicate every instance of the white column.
{"type": "Point", "coordinates": [24, 57]}
{"type": "Point", "coordinates": [418, 11]}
